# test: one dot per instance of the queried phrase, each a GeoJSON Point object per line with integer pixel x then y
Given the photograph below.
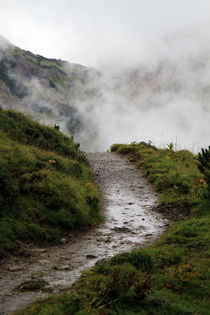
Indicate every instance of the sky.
{"type": "Point", "coordinates": [96, 32]}
{"type": "Point", "coordinates": [113, 35]}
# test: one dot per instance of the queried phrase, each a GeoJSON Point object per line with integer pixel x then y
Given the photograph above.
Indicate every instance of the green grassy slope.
{"type": "Point", "coordinates": [169, 277]}
{"type": "Point", "coordinates": [174, 175]}
{"type": "Point", "coordinates": [44, 190]}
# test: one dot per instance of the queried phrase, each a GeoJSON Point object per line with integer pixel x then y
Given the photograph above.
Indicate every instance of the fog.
{"type": "Point", "coordinates": [164, 99]}
{"type": "Point", "coordinates": [4, 45]}
{"type": "Point", "coordinates": [94, 32]}
{"type": "Point", "coordinates": [152, 61]}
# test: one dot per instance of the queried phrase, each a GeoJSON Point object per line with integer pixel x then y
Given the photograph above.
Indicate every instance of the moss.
{"type": "Point", "coordinates": [32, 285]}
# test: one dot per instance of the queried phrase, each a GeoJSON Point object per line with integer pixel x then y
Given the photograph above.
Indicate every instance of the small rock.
{"type": "Point", "coordinates": [16, 267]}
{"type": "Point", "coordinates": [47, 289]}
{"type": "Point", "coordinates": [100, 240]}
{"type": "Point", "coordinates": [44, 261]}
{"type": "Point", "coordinates": [120, 229]}
{"type": "Point", "coordinates": [44, 255]}
{"type": "Point", "coordinates": [39, 250]}
{"type": "Point", "coordinates": [65, 256]}
{"type": "Point", "coordinates": [57, 267]}
{"type": "Point", "coordinates": [130, 203]}
{"type": "Point", "coordinates": [32, 285]}
{"type": "Point", "coordinates": [63, 240]}
{"type": "Point", "coordinates": [143, 219]}
{"type": "Point", "coordinates": [36, 275]}
{"type": "Point", "coordinates": [91, 256]}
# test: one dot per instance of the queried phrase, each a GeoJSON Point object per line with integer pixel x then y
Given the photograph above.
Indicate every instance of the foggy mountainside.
{"type": "Point", "coordinates": [164, 99]}
{"type": "Point", "coordinates": [46, 89]}
{"type": "Point", "coordinates": [138, 214]}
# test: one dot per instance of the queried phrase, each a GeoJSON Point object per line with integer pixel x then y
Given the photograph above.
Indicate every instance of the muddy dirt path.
{"type": "Point", "coordinates": [129, 222]}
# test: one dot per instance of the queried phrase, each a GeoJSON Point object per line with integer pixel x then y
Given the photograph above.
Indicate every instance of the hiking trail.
{"type": "Point", "coordinates": [130, 221]}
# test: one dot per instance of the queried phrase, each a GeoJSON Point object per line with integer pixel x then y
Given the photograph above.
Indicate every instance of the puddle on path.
{"type": "Point", "coordinates": [129, 223]}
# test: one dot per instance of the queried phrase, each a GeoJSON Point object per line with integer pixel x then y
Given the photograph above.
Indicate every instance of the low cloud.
{"type": "Point", "coordinates": [165, 99]}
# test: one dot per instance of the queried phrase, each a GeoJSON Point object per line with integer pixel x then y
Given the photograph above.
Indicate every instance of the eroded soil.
{"type": "Point", "coordinates": [130, 222]}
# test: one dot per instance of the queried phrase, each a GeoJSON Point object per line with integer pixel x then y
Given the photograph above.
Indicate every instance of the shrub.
{"type": "Point", "coordinates": [204, 167]}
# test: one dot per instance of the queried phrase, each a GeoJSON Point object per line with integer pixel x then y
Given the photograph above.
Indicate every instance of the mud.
{"type": "Point", "coordinates": [130, 222]}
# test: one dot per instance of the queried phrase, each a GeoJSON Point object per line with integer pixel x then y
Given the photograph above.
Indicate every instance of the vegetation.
{"type": "Point", "coordinates": [24, 130]}
{"type": "Point", "coordinates": [169, 277]}
{"type": "Point", "coordinates": [47, 87]}
{"type": "Point", "coordinates": [204, 167]}
{"type": "Point", "coordinates": [15, 88]}
{"type": "Point", "coordinates": [44, 184]}
{"type": "Point", "coordinates": [175, 175]}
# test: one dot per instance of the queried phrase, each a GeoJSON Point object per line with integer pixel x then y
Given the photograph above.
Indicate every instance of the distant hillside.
{"type": "Point", "coordinates": [44, 184]}
{"type": "Point", "coordinates": [47, 89]}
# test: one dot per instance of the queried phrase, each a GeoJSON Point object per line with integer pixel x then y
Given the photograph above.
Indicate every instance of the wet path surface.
{"type": "Point", "coordinates": [129, 222]}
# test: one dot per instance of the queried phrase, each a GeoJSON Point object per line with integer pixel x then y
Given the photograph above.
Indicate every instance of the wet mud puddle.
{"type": "Point", "coordinates": [129, 223]}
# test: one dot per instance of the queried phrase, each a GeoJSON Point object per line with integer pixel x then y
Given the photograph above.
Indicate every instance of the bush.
{"type": "Point", "coordinates": [204, 167]}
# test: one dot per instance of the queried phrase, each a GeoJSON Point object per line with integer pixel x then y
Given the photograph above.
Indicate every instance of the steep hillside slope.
{"type": "Point", "coordinates": [47, 89]}
{"type": "Point", "coordinates": [45, 184]}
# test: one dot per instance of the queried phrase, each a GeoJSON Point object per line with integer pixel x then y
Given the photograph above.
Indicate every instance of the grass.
{"type": "Point", "coordinates": [24, 130]}
{"type": "Point", "coordinates": [175, 175]}
{"type": "Point", "coordinates": [44, 184]}
{"type": "Point", "coordinates": [168, 277]}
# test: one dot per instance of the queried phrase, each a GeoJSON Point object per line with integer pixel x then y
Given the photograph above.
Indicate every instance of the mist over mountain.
{"type": "Point", "coordinates": [164, 99]}
{"type": "Point", "coordinates": [46, 89]}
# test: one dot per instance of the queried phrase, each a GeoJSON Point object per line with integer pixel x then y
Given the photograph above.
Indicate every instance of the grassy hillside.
{"type": "Point", "coordinates": [175, 175]}
{"type": "Point", "coordinates": [44, 184]}
{"type": "Point", "coordinates": [169, 277]}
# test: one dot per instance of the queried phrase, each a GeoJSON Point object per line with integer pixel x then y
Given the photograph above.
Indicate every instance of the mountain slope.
{"type": "Point", "coordinates": [162, 99]}
{"type": "Point", "coordinates": [44, 184]}
{"type": "Point", "coordinates": [47, 89]}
